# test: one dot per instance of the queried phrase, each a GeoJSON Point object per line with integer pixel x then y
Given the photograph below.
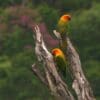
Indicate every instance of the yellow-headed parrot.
{"type": "Point", "coordinates": [60, 60]}
{"type": "Point", "coordinates": [62, 28]}
{"type": "Point", "coordinates": [62, 65]}
{"type": "Point", "coordinates": [63, 22]}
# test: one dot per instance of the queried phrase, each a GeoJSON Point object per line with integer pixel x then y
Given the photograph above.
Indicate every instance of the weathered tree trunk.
{"type": "Point", "coordinates": [80, 83]}
{"type": "Point", "coordinates": [52, 79]}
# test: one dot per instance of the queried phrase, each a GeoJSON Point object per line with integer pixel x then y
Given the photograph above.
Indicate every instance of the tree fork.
{"type": "Point", "coordinates": [52, 78]}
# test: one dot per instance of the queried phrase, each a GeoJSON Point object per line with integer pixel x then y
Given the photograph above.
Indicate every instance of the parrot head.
{"type": "Point", "coordinates": [65, 18]}
{"type": "Point", "coordinates": [57, 52]}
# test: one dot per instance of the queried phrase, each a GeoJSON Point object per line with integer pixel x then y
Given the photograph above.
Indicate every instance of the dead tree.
{"type": "Point", "coordinates": [52, 78]}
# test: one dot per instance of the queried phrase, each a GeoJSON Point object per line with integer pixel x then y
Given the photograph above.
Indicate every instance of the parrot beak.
{"type": "Point", "coordinates": [69, 18]}
{"type": "Point", "coordinates": [53, 53]}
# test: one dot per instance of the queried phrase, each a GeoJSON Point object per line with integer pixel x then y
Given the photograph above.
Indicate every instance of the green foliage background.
{"type": "Point", "coordinates": [17, 82]}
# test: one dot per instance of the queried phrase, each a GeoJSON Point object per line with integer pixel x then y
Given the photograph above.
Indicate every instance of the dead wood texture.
{"type": "Point", "coordinates": [80, 84]}
{"type": "Point", "coordinates": [52, 79]}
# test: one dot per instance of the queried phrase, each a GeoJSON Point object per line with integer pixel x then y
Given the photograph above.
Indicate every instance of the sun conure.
{"type": "Point", "coordinates": [62, 65]}
{"type": "Point", "coordinates": [62, 28]}
{"type": "Point", "coordinates": [63, 22]}
{"type": "Point", "coordinates": [60, 60]}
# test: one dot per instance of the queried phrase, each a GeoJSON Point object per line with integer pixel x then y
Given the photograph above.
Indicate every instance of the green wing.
{"type": "Point", "coordinates": [64, 70]}
{"type": "Point", "coordinates": [61, 65]}
{"type": "Point", "coordinates": [62, 27]}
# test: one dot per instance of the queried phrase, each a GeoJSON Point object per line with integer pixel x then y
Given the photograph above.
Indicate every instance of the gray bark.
{"type": "Point", "coordinates": [52, 78]}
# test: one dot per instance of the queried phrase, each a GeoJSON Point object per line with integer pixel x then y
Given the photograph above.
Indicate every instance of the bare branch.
{"type": "Point", "coordinates": [84, 90]}
{"type": "Point", "coordinates": [38, 73]}
{"type": "Point", "coordinates": [80, 83]}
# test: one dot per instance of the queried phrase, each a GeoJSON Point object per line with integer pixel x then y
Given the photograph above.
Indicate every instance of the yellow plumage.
{"type": "Point", "coordinates": [62, 64]}
{"type": "Point", "coordinates": [62, 28]}
{"type": "Point", "coordinates": [63, 23]}
{"type": "Point", "coordinates": [60, 60]}
{"type": "Point", "coordinates": [57, 52]}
